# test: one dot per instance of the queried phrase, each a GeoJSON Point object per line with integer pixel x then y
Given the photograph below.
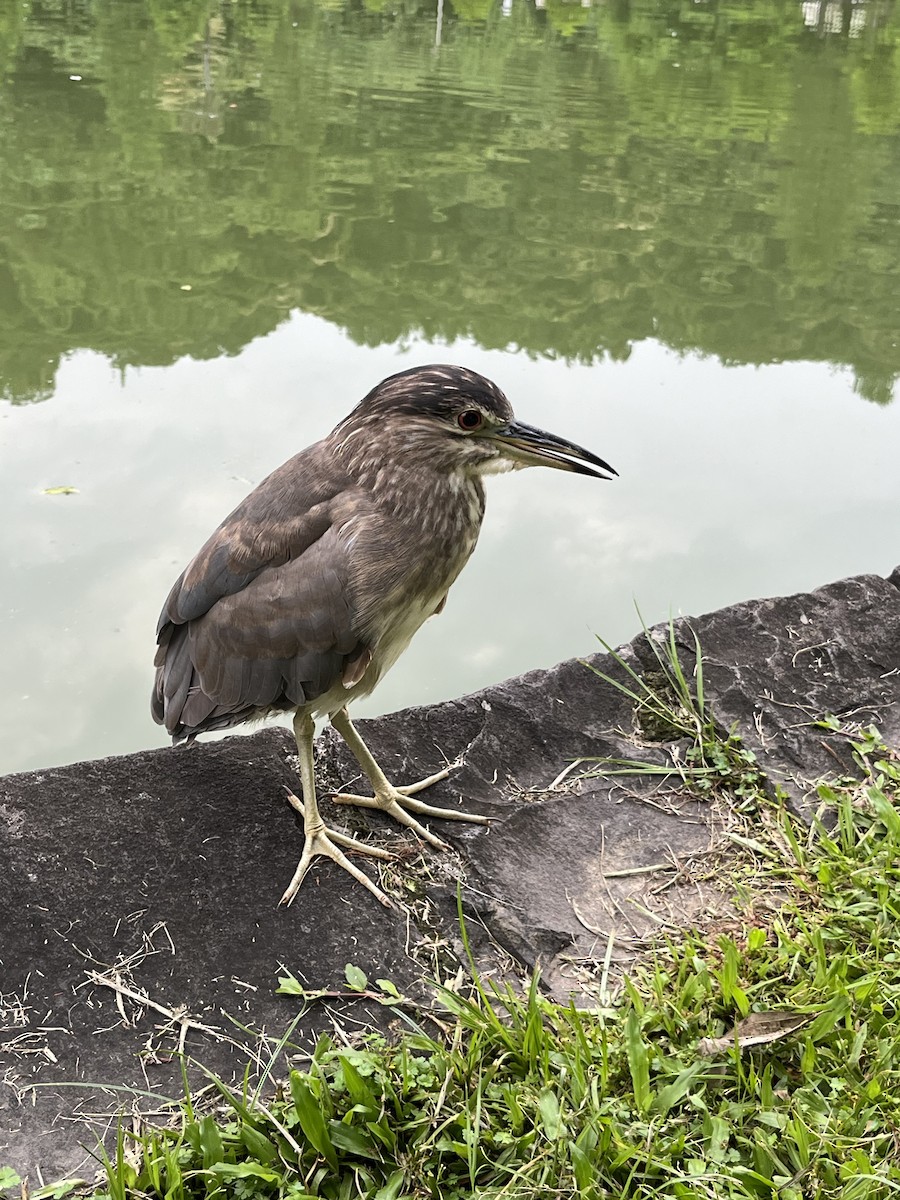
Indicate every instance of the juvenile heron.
{"type": "Point", "coordinates": [312, 588]}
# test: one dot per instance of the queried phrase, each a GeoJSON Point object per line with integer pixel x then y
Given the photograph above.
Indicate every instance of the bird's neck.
{"type": "Point", "coordinates": [421, 489]}
{"type": "Point", "coordinates": [448, 505]}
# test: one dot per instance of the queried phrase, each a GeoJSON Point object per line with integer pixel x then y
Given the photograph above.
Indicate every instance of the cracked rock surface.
{"type": "Point", "coordinates": [158, 874]}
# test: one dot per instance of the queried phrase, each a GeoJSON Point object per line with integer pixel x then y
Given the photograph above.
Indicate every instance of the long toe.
{"type": "Point", "coordinates": [429, 810]}
{"type": "Point", "coordinates": [326, 843]}
{"type": "Point", "coordinates": [341, 839]}
{"type": "Point", "coordinates": [401, 798]}
{"type": "Point", "coordinates": [394, 804]}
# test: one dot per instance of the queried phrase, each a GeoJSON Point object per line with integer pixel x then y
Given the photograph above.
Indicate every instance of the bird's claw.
{"type": "Point", "coordinates": [394, 805]}
{"type": "Point", "coordinates": [327, 842]}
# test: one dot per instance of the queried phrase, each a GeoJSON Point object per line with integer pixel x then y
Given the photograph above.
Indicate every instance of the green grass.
{"type": "Point", "coordinates": [506, 1094]}
{"type": "Point", "coordinates": [669, 707]}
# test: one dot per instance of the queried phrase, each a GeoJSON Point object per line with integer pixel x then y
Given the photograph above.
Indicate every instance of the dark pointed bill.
{"type": "Point", "coordinates": [536, 448]}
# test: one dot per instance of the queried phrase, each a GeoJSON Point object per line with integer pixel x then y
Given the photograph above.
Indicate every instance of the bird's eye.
{"type": "Point", "coordinates": [470, 419]}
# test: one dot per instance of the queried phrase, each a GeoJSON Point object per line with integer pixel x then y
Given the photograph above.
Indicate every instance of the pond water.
{"type": "Point", "coordinates": [670, 232]}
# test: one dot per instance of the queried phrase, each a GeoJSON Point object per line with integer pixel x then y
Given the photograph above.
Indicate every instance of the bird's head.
{"type": "Point", "coordinates": [455, 419]}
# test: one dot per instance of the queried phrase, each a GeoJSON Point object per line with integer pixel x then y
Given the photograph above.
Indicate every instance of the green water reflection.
{"type": "Point", "coordinates": [175, 179]}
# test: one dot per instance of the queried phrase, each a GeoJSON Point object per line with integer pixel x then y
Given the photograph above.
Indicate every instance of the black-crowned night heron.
{"type": "Point", "coordinates": [313, 587]}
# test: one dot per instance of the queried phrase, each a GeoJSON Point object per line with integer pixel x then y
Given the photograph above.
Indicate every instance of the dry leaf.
{"type": "Point", "coordinates": [759, 1029]}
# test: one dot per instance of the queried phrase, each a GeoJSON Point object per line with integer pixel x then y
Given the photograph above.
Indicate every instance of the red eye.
{"type": "Point", "coordinates": [470, 419]}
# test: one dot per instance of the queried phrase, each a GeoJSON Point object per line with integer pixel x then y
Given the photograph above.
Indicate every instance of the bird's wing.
{"type": "Point", "coordinates": [262, 617]}
{"type": "Point", "coordinates": [280, 519]}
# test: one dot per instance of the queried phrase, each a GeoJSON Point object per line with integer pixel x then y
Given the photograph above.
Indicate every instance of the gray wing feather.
{"type": "Point", "coordinates": [262, 617]}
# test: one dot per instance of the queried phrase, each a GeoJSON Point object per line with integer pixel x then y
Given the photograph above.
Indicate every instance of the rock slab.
{"type": "Point", "coordinates": [159, 874]}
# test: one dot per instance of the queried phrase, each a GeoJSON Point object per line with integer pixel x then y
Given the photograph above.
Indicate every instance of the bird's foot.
{"type": "Point", "coordinates": [327, 842]}
{"type": "Point", "coordinates": [398, 803]}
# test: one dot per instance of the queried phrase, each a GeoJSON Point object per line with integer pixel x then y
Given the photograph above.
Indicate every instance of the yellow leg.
{"type": "Point", "coordinates": [320, 839]}
{"type": "Point", "coordinates": [397, 801]}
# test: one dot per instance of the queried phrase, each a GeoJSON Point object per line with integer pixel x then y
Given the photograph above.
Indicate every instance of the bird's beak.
{"type": "Point", "coordinates": [530, 447]}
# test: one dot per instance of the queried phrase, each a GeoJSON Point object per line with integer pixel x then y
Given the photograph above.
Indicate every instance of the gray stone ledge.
{"type": "Point", "coordinates": [174, 860]}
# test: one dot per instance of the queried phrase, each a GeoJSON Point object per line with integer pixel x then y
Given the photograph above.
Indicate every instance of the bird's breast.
{"type": "Point", "coordinates": [405, 559]}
